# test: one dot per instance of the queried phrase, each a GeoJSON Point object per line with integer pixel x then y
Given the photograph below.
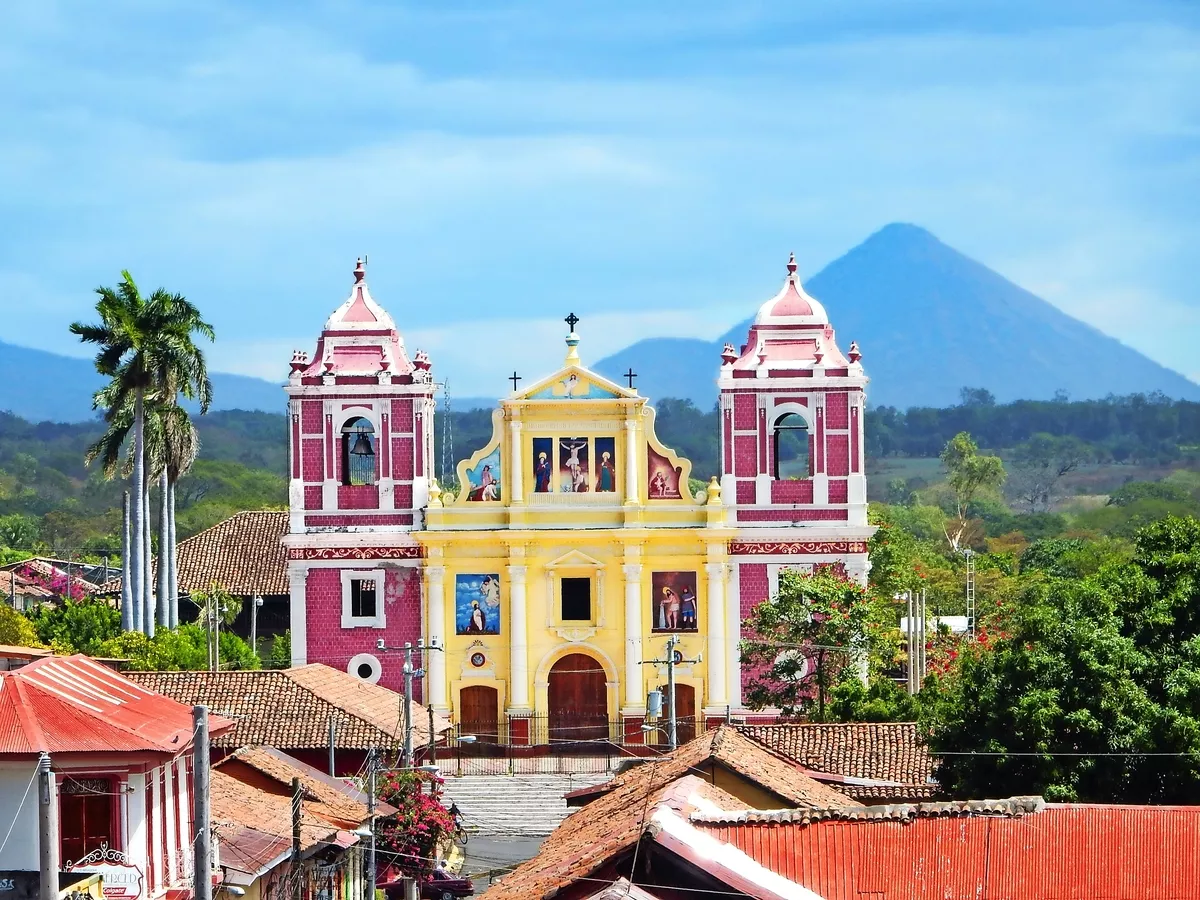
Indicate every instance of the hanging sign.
{"type": "Point", "coordinates": [120, 879]}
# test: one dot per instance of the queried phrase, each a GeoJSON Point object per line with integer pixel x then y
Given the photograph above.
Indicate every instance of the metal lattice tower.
{"type": "Point", "coordinates": [447, 434]}
{"type": "Point", "coordinates": [970, 593]}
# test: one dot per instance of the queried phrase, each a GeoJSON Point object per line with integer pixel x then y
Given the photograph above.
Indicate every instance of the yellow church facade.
{"type": "Point", "coordinates": [573, 549]}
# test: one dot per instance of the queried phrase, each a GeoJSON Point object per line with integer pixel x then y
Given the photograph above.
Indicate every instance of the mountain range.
{"type": "Point", "coordinates": [929, 321]}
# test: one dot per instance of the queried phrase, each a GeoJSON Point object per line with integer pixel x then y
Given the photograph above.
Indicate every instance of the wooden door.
{"type": "Point", "coordinates": [479, 713]}
{"type": "Point", "coordinates": [685, 713]}
{"type": "Point", "coordinates": [578, 698]}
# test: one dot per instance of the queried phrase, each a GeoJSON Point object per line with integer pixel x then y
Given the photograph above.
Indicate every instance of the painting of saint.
{"type": "Point", "coordinates": [543, 463]}
{"type": "Point", "coordinates": [673, 601]}
{"type": "Point", "coordinates": [485, 478]}
{"type": "Point", "coordinates": [663, 477]}
{"type": "Point", "coordinates": [606, 468]}
{"type": "Point", "coordinates": [573, 465]}
{"type": "Point", "coordinates": [477, 604]}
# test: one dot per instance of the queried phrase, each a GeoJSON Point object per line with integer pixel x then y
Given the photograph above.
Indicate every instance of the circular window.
{"type": "Point", "coordinates": [478, 660]}
{"type": "Point", "coordinates": [366, 667]}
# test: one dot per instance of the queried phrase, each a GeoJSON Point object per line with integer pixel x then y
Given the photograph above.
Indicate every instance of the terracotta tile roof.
{"type": "Point", "coordinates": [73, 704]}
{"type": "Point", "coordinates": [332, 799]}
{"type": "Point", "coordinates": [12, 584]}
{"type": "Point", "coordinates": [244, 554]}
{"type": "Point", "coordinates": [621, 889]}
{"type": "Point", "coordinates": [881, 751]}
{"type": "Point", "coordinates": [1013, 807]}
{"type": "Point", "coordinates": [291, 708]}
{"type": "Point", "coordinates": [588, 838]}
{"type": "Point", "coordinates": [887, 793]}
{"type": "Point", "coordinates": [238, 806]}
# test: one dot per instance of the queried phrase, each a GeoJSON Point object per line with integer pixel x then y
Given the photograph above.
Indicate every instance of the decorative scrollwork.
{"type": "Point", "coordinates": [354, 553]}
{"type": "Point", "coordinates": [742, 548]}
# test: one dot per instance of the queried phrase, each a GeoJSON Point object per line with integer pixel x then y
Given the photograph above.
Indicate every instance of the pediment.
{"type": "Point", "coordinates": [575, 383]}
{"type": "Point", "coordinates": [575, 559]}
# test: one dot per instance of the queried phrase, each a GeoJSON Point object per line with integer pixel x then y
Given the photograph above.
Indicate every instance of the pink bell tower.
{"type": "Point", "coordinates": [793, 471]}
{"type": "Point", "coordinates": [361, 449]}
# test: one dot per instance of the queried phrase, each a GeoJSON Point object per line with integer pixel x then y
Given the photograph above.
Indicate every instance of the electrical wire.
{"type": "Point", "coordinates": [17, 814]}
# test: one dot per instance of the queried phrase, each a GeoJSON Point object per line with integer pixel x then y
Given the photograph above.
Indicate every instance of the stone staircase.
{"type": "Point", "coordinates": [524, 805]}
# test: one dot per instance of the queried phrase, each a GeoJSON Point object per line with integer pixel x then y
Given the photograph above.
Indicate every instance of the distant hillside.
{"type": "Point", "coordinates": [929, 321]}
{"type": "Point", "coordinates": [41, 386]}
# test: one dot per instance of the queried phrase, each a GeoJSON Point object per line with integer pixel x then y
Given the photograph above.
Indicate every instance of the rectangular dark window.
{"type": "Point", "coordinates": [577, 599]}
{"type": "Point", "coordinates": [362, 598]}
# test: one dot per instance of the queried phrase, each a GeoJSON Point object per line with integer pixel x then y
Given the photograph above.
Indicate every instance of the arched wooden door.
{"type": "Point", "coordinates": [578, 699]}
{"type": "Point", "coordinates": [479, 713]}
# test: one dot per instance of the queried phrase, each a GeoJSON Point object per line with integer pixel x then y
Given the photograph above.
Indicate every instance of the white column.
{"type": "Point", "coordinates": [634, 696]}
{"type": "Point", "coordinates": [733, 636]}
{"type": "Point", "coordinates": [298, 608]}
{"type": "Point", "coordinates": [171, 819]}
{"type": "Point", "coordinates": [514, 463]}
{"type": "Point", "coordinates": [518, 640]}
{"type": "Point", "coordinates": [435, 616]}
{"type": "Point", "coordinates": [717, 683]}
{"type": "Point", "coordinates": [631, 461]}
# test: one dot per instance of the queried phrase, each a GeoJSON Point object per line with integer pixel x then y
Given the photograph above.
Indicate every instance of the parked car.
{"type": "Point", "coordinates": [442, 885]}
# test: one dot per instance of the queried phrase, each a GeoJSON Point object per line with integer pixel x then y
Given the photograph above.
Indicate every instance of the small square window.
{"type": "Point", "coordinates": [362, 598]}
{"type": "Point", "coordinates": [576, 599]}
{"type": "Point", "coordinates": [362, 603]}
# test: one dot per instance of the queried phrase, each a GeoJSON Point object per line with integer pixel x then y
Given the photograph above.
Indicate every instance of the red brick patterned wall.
{"type": "Point", "coordinates": [352, 519]}
{"type": "Point", "coordinates": [358, 496]}
{"type": "Point", "coordinates": [332, 645]}
{"type": "Point", "coordinates": [311, 416]}
{"type": "Point", "coordinates": [402, 416]}
{"type": "Point", "coordinates": [745, 411]}
{"type": "Point", "coordinates": [788, 491]}
{"type": "Point", "coordinates": [402, 459]}
{"type": "Point", "coordinates": [312, 496]}
{"type": "Point", "coordinates": [838, 490]}
{"type": "Point", "coordinates": [746, 492]}
{"type": "Point", "coordinates": [792, 515]}
{"type": "Point", "coordinates": [314, 463]}
{"type": "Point", "coordinates": [754, 588]}
{"type": "Point", "coordinates": [838, 459]}
{"type": "Point", "coordinates": [745, 455]}
{"type": "Point", "coordinates": [837, 410]}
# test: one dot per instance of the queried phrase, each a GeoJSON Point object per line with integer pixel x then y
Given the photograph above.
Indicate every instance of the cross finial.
{"type": "Point", "coordinates": [514, 378]}
{"type": "Point", "coordinates": [571, 320]}
{"type": "Point", "coordinates": [630, 375]}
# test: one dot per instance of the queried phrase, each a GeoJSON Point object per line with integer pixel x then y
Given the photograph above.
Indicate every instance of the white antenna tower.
{"type": "Point", "coordinates": [970, 592]}
{"type": "Point", "coordinates": [447, 434]}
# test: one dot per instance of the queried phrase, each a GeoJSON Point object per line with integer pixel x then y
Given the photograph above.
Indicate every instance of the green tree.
{"type": "Point", "coordinates": [1039, 465]}
{"type": "Point", "coordinates": [969, 472]}
{"type": "Point", "coordinates": [882, 699]}
{"type": "Point", "coordinates": [18, 531]}
{"type": "Point", "coordinates": [15, 629]}
{"type": "Point", "coordinates": [177, 649]}
{"type": "Point", "coordinates": [800, 640]}
{"type": "Point", "coordinates": [77, 626]}
{"type": "Point", "coordinates": [146, 348]}
{"type": "Point", "coordinates": [280, 656]}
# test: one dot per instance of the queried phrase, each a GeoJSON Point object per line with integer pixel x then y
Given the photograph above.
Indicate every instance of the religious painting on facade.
{"type": "Point", "coordinates": [673, 601]}
{"type": "Point", "coordinates": [485, 478]}
{"type": "Point", "coordinates": [573, 465]}
{"type": "Point", "coordinates": [543, 464]}
{"type": "Point", "coordinates": [606, 464]}
{"type": "Point", "coordinates": [477, 604]}
{"type": "Point", "coordinates": [663, 483]}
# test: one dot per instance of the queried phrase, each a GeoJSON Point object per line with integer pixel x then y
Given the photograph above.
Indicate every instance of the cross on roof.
{"type": "Point", "coordinates": [630, 375]}
{"type": "Point", "coordinates": [514, 378]}
{"type": "Point", "coordinates": [571, 320]}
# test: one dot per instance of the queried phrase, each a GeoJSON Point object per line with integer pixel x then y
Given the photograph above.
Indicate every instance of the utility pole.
{"type": "Point", "coordinates": [297, 873]}
{"type": "Point", "coordinates": [432, 738]}
{"type": "Point", "coordinates": [370, 886]}
{"type": "Point", "coordinates": [671, 661]}
{"type": "Point", "coordinates": [49, 864]}
{"type": "Point", "coordinates": [201, 816]}
{"type": "Point", "coordinates": [255, 602]}
{"type": "Point", "coordinates": [410, 671]}
{"type": "Point", "coordinates": [332, 743]}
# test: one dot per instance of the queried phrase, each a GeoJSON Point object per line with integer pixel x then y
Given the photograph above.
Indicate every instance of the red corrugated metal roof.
{"type": "Point", "coordinates": [73, 704]}
{"type": "Point", "coordinates": [1064, 852]}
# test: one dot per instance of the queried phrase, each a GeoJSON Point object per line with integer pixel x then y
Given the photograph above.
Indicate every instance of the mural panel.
{"type": "Point", "coordinates": [485, 478]}
{"type": "Point", "coordinates": [673, 601]}
{"type": "Point", "coordinates": [663, 478]}
{"type": "Point", "coordinates": [573, 465]}
{"type": "Point", "coordinates": [606, 464]}
{"type": "Point", "coordinates": [477, 604]}
{"type": "Point", "coordinates": [543, 464]}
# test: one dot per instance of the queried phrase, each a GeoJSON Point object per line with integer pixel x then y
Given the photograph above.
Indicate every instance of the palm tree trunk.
{"type": "Point", "coordinates": [127, 623]}
{"type": "Point", "coordinates": [137, 521]}
{"type": "Point", "coordinates": [164, 551]}
{"type": "Point", "coordinates": [147, 558]}
{"type": "Point", "coordinates": [173, 559]}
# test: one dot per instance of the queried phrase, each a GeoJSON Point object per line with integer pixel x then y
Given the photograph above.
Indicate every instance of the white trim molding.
{"type": "Point", "coordinates": [379, 620]}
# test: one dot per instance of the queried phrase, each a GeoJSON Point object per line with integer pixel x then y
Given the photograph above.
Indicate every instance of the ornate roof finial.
{"type": "Point", "coordinates": [728, 356]}
{"type": "Point", "coordinates": [855, 354]}
{"type": "Point", "coordinates": [791, 264]}
{"type": "Point", "coordinates": [360, 271]}
{"type": "Point", "coordinates": [572, 340]}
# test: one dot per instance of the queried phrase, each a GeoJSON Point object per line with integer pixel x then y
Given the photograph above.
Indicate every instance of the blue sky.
{"type": "Point", "coordinates": [648, 166]}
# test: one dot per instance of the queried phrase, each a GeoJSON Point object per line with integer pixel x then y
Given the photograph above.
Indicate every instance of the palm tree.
{"type": "Point", "coordinates": [146, 348]}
